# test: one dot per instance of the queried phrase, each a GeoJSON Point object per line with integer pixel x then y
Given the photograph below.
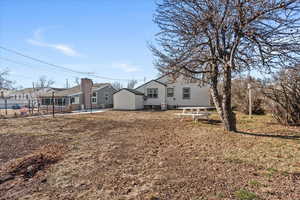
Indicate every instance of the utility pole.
{"type": "Point", "coordinates": [53, 103]}
{"type": "Point", "coordinates": [67, 83]}
{"type": "Point", "coordinates": [250, 100]}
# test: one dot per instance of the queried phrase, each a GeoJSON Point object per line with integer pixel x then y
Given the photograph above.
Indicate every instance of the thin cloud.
{"type": "Point", "coordinates": [37, 40]}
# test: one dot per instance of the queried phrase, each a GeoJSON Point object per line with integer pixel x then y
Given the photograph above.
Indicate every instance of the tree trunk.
{"type": "Point", "coordinates": [229, 119]}
{"type": "Point", "coordinates": [223, 105]}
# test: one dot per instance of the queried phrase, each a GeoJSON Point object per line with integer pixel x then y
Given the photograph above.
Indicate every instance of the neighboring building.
{"type": "Point", "coordinates": [99, 95]}
{"type": "Point", "coordinates": [165, 92]}
{"type": "Point", "coordinates": [24, 97]}
{"type": "Point", "coordinates": [30, 94]}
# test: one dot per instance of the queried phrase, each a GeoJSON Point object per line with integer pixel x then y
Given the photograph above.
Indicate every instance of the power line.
{"type": "Point", "coordinates": [43, 62]}
{"type": "Point", "coordinates": [28, 65]}
{"type": "Point", "coordinates": [19, 63]}
{"type": "Point", "coordinates": [58, 66]}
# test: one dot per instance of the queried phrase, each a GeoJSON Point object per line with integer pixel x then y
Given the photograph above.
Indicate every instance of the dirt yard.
{"type": "Point", "coordinates": [148, 156]}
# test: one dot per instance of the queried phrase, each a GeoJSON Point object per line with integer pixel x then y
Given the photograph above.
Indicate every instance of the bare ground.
{"type": "Point", "coordinates": [154, 155]}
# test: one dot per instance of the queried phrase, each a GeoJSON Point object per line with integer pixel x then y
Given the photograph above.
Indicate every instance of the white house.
{"type": "Point", "coordinates": [164, 92]}
{"type": "Point", "coordinates": [30, 94]}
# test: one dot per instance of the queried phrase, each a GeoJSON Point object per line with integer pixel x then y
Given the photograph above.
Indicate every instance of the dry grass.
{"type": "Point", "coordinates": [154, 155]}
{"type": "Point", "coordinates": [29, 165]}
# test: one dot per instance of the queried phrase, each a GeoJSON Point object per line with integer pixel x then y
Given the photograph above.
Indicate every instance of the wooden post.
{"type": "Point", "coordinates": [250, 100]}
{"type": "Point", "coordinates": [38, 104]}
{"type": "Point", "coordinates": [5, 103]}
{"type": "Point", "coordinates": [53, 104]}
{"type": "Point", "coordinates": [91, 103]}
{"type": "Point", "coordinates": [29, 108]}
{"type": "Point", "coordinates": [32, 107]}
{"type": "Point", "coordinates": [71, 107]}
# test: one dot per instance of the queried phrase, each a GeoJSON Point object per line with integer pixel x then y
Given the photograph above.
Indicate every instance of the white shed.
{"type": "Point", "coordinates": [128, 99]}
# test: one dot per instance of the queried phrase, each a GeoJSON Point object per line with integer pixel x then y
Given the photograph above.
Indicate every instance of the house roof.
{"type": "Point", "coordinates": [31, 90]}
{"type": "Point", "coordinates": [26, 90]}
{"type": "Point", "coordinates": [131, 90]}
{"type": "Point", "coordinates": [75, 90]}
{"type": "Point", "coordinates": [34, 91]}
{"type": "Point", "coordinates": [150, 82]}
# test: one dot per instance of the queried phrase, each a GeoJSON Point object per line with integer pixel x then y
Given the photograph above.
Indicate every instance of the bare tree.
{"type": "Point", "coordinates": [77, 81]}
{"type": "Point", "coordinates": [216, 39]}
{"type": "Point", "coordinates": [240, 95]}
{"type": "Point", "coordinates": [117, 85]}
{"type": "Point", "coordinates": [131, 84]}
{"type": "Point", "coordinates": [283, 89]}
{"type": "Point", "coordinates": [43, 82]}
{"type": "Point", "coordinates": [4, 81]}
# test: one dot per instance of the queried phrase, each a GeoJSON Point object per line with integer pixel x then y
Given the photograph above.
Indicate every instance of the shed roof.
{"type": "Point", "coordinates": [130, 90]}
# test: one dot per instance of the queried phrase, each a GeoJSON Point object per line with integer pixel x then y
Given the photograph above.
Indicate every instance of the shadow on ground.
{"type": "Point", "coordinates": [290, 137]}
{"type": "Point", "coordinates": [210, 121]}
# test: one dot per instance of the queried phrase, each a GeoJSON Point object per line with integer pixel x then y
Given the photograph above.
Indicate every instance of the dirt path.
{"type": "Point", "coordinates": [144, 155]}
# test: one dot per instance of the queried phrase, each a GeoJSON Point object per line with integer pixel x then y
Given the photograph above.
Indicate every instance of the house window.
{"type": "Point", "coordinates": [152, 92]}
{"type": "Point", "coordinates": [94, 97]}
{"type": "Point", "coordinates": [46, 101]}
{"type": "Point", "coordinates": [27, 96]}
{"type": "Point", "coordinates": [170, 92]}
{"type": "Point", "coordinates": [186, 93]}
{"type": "Point", "coordinates": [75, 100]}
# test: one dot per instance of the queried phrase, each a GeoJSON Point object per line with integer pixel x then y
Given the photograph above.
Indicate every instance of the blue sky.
{"type": "Point", "coordinates": [107, 37]}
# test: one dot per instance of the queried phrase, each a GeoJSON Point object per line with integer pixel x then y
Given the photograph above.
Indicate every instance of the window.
{"type": "Point", "coordinates": [152, 92]}
{"type": "Point", "coordinates": [186, 93]}
{"type": "Point", "coordinates": [27, 96]}
{"type": "Point", "coordinates": [46, 101]}
{"type": "Point", "coordinates": [60, 101]}
{"type": "Point", "coordinates": [94, 97]}
{"type": "Point", "coordinates": [75, 100]}
{"type": "Point", "coordinates": [170, 92]}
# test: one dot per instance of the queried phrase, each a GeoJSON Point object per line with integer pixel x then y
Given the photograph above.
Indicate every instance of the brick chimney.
{"type": "Point", "coordinates": [86, 89]}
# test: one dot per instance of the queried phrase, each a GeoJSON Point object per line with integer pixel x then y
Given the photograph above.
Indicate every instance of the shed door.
{"type": "Point", "coordinates": [106, 98]}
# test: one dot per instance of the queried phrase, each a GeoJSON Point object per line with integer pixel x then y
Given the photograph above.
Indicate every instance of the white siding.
{"type": "Point", "coordinates": [139, 102]}
{"type": "Point", "coordinates": [161, 93]}
{"type": "Point", "coordinates": [200, 95]}
{"type": "Point", "coordinates": [125, 100]}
